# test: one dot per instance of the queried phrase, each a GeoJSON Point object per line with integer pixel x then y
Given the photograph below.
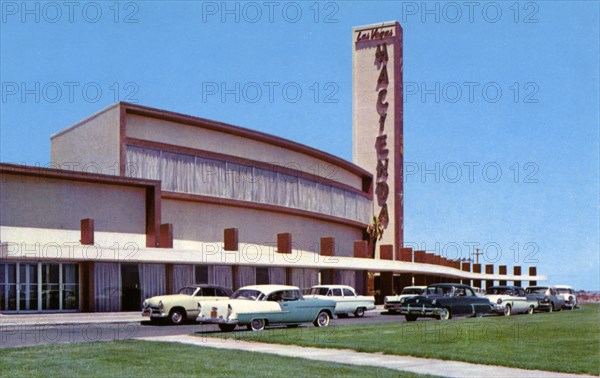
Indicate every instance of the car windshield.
{"type": "Point", "coordinates": [318, 291]}
{"type": "Point", "coordinates": [439, 290]}
{"type": "Point", "coordinates": [536, 290]}
{"type": "Point", "coordinates": [188, 290]}
{"type": "Point", "coordinates": [499, 291]}
{"type": "Point", "coordinates": [412, 291]}
{"type": "Point", "coordinates": [248, 294]}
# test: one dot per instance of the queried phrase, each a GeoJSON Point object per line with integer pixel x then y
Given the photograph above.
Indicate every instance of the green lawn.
{"type": "Point", "coordinates": [133, 358]}
{"type": "Point", "coordinates": [566, 341]}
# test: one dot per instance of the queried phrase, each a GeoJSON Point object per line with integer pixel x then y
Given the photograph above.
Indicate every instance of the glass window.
{"type": "Point", "coordinates": [336, 292]}
{"type": "Point", "coordinates": [201, 274]}
{"type": "Point", "coordinates": [262, 276]}
{"type": "Point", "coordinates": [348, 293]}
{"type": "Point", "coordinates": [208, 292]}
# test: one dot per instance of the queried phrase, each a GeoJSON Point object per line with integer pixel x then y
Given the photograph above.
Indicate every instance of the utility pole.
{"type": "Point", "coordinates": [477, 254]}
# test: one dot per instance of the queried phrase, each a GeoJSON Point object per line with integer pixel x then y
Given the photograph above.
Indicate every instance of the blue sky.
{"type": "Point", "coordinates": [528, 131]}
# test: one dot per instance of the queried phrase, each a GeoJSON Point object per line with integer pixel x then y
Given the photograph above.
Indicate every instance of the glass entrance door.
{"type": "Point", "coordinates": [8, 287]}
{"type": "Point", "coordinates": [28, 287]}
{"type": "Point", "coordinates": [39, 287]}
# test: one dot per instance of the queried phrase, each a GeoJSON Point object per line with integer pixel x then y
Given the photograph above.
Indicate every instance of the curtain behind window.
{"type": "Point", "coordinates": [246, 276]}
{"type": "Point", "coordinates": [107, 287]}
{"type": "Point", "coordinates": [153, 279]}
{"type": "Point", "coordinates": [183, 275]}
{"type": "Point", "coordinates": [221, 275]}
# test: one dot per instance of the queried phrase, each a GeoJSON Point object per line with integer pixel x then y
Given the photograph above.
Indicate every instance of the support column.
{"type": "Point", "coordinates": [87, 231]}
{"type": "Point", "coordinates": [361, 251]}
{"type": "Point", "coordinates": [166, 236]}
{"type": "Point", "coordinates": [532, 272]}
{"type": "Point", "coordinates": [169, 279]}
{"type": "Point", "coordinates": [231, 239]}
{"type": "Point", "coordinates": [489, 269]}
{"type": "Point", "coordinates": [502, 270]}
{"type": "Point", "coordinates": [406, 254]}
{"type": "Point", "coordinates": [477, 269]}
{"type": "Point", "coordinates": [465, 266]}
{"type": "Point", "coordinates": [517, 272]}
{"type": "Point", "coordinates": [386, 251]}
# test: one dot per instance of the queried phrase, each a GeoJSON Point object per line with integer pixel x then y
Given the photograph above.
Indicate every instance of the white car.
{"type": "Point", "coordinates": [392, 302]}
{"type": "Point", "coordinates": [508, 300]}
{"type": "Point", "coordinates": [568, 294]}
{"type": "Point", "coordinates": [259, 306]}
{"type": "Point", "coordinates": [183, 306]}
{"type": "Point", "coordinates": [345, 297]}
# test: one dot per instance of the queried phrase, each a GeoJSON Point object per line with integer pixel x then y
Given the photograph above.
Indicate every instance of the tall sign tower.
{"type": "Point", "coordinates": [377, 120]}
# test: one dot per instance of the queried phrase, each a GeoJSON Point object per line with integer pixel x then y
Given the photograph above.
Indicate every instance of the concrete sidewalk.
{"type": "Point", "coordinates": [46, 319]}
{"type": "Point", "coordinates": [350, 357]}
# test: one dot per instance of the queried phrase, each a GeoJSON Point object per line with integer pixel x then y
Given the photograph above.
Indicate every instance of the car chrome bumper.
{"type": "Point", "coordinates": [153, 314]}
{"type": "Point", "coordinates": [498, 308]}
{"type": "Point", "coordinates": [392, 306]}
{"type": "Point", "coordinates": [204, 319]}
{"type": "Point", "coordinates": [421, 310]}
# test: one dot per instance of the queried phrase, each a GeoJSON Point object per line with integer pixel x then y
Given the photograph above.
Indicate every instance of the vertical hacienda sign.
{"type": "Point", "coordinates": [378, 120]}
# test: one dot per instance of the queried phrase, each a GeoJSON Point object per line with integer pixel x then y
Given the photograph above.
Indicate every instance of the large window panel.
{"type": "Point", "coordinates": [222, 276]}
{"type": "Point", "coordinates": [183, 275]}
{"type": "Point", "coordinates": [153, 279]}
{"type": "Point", "coordinates": [264, 188]}
{"type": "Point", "coordinates": [287, 190]}
{"type": "Point", "coordinates": [324, 198]}
{"type": "Point", "coordinates": [246, 276]}
{"type": "Point", "coordinates": [107, 287]}
{"type": "Point", "coordinates": [308, 195]}
{"type": "Point", "coordinates": [239, 181]}
{"type": "Point", "coordinates": [338, 205]}
{"type": "Point", "coordinates": [350, 204]}
{"type": "Point", "coordinates": [142, 163]}
{"type": "Point", "coordinates": [210, 177]}
{"type": "Point", "coordinates": [177, 172]}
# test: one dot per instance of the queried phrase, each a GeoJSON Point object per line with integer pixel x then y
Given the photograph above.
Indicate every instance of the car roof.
{"type": "Point", "coordinates": [207, 286]}
{"type": "Point", "coordinates": [267, 289]}
{"type": "Point", "coordinates": [504, 287]}
{"type": "Point", "coordinates": [414, 287]}
{"type": "Point", "coordinates": [450, 285]}
{"type": "Point", "coordinates": [563, 287]}
{"type": "Point", "coordinates": [333, 286]}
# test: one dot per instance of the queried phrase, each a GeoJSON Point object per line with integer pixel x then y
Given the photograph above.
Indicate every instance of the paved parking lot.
{"type": "Point", "coordinates": [34, 329]}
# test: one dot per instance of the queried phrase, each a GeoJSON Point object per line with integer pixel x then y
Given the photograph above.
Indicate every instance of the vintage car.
{"type": "Point", "coordinates": [444, 300]}
{"type": "Point", "coordinates": [508, 300]}
{"type": "Point", "coordinates": [261, 305]}
{"type": "Point", "coordinates": [345, 297]}
{"type": "Point", "coordinates": [546, 296]}
{"type": "Point", "coordinates": [392, 302]}
{"type": "Point", "coordinates": [568, 295]}
{"type": "Point", "coordinates": [184, 305]}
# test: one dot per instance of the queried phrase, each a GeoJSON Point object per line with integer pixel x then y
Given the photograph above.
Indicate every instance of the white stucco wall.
{"type": "Point", "coordinates": [41, 210]}
{"type": "Point", "coordinates": [206, 222]}
{"type": "Point", "coordinates": [91, 145]}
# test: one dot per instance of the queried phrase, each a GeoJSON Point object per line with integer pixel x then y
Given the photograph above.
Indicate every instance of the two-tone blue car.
{"type": "Point", "coordinates": [259, 306]}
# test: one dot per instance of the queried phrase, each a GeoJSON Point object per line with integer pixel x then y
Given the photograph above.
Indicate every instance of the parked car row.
{"type": "Point", "coordinates": [258, 306]}
{"type": "Point", "coordinates": [442, 301]}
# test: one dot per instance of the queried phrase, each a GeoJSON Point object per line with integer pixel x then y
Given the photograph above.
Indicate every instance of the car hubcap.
{"type": "Point", "coordinates": [507, 311]}
{"type": "Point", "coordinates": [444, 314]}
{"type": "Point", "coordinates": [176, 317]}
{"type": "Point", "coordinates": [530, 310]}
{"type": "Point", "coordinates": [257, 324]}
{"type": "Point", "coordinates": [323, 319]}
